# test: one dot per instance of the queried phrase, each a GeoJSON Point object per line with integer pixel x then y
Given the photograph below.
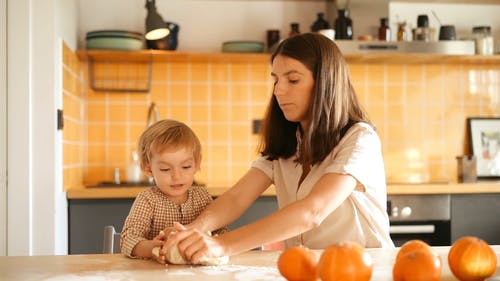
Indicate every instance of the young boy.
{"type": "Point", "coordinates": [170, 152]}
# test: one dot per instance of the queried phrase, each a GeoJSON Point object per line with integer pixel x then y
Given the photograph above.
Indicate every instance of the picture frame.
{"type": "Point", "coordinates": [484, 144]}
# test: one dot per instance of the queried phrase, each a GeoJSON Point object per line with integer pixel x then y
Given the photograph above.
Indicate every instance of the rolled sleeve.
{"type": "Point", "coordinates": [265, 166]}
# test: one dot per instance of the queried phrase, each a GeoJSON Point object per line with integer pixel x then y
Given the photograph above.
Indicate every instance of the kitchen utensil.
{"type": "Point", "coordinates": [447, 32]}
{"type": "Point", "coordinates": [243, 47]}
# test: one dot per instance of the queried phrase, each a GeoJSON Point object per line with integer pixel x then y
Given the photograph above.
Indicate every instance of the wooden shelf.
{"type": "Point", "coordinates": [362, 58]}
{"type": "Point", "coordinates": [392, 189]}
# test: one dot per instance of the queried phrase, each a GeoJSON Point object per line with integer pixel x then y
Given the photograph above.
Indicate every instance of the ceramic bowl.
{"type": "Point", "coordinates": [243, 47]}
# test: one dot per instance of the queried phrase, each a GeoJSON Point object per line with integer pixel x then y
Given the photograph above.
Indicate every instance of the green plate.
{"type": "Point", "coordinates": [243, 47]}
{"type": "Point", "coordinates": [114, 43]}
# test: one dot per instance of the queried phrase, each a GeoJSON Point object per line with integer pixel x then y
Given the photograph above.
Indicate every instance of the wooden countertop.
{"type": "Point", "coordinates": [438, 188]}
{"type": "Point", "coordinates": [253, 265]}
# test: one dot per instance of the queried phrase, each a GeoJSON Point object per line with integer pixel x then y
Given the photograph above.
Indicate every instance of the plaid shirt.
{"type": "Point", "coordinates": [153, 211]}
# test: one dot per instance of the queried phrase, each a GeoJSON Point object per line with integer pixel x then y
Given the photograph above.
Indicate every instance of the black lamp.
{"type": "Point", "coordinates": [155, 26]}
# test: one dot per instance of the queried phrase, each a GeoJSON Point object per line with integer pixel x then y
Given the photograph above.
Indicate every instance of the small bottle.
{"type": "Point", "coordinates": [134, 172]}
{"type": "Point", "coordinates": [402, 34]}
{"type": "Point", "coordinates": [320, 23]}
{"type": "Point", "coordinates": [294, 29]}
{"type": "Point", "coordinates": [422, 32]}
{"type": "Point", "coordinates": [343, 25]}
{"type": "Point", "coordinates": [384, 32]}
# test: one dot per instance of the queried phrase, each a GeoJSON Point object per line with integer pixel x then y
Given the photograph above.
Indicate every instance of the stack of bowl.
{"type": "Point", "coordinates": [114, 40]}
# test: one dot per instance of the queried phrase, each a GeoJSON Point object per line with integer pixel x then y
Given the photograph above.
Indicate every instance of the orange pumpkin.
{"type": "Point", "coordinates": [417, 265]}
{"type": "Point", "coordinates": [472, 259]}
{"type": "Point", "coordinates": [414, 245]}
{"type": "Point", "coordinates": [298, 264]}
{"type": "Point", "coordinates": [345, 261]}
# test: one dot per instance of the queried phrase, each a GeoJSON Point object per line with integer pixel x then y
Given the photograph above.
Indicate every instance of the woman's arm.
{"type": "Point", "coordinates": [328, 193]}
{"type": "Point", "coordinates": [233, 203]}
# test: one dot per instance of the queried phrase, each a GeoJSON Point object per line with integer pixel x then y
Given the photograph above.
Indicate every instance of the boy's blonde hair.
{"type": "Point", "coordinates": [164, 134]}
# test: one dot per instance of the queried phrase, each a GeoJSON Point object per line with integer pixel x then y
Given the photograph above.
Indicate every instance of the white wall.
{"type": "Point", "coordinates": [37, 208]}
{"type": "Point", "coordinates": [463, 16]}
{"type": "Point", "coordinates": [3, 128]}
{"type": "Point", "coordinates": [204, 24]}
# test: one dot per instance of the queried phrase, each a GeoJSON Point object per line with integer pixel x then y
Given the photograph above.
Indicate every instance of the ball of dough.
{"type": "Point", "coordinates": [174, 257]}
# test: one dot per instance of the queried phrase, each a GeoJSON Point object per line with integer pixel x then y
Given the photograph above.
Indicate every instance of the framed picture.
{"type": "Point", "coordinates": [484, 140]}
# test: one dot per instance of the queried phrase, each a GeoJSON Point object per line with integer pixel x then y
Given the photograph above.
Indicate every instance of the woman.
{"type": "Point", "coordinates": [319, 150]}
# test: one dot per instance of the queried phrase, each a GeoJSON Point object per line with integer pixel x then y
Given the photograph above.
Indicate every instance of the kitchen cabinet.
{"type": "Point", "coordinates": [476, 215]}
{"type": "Point", "coordinates": [87, 218]}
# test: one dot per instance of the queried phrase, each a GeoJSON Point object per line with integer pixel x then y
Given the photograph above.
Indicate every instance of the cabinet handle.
{"type": "Point", "coordinates": [401, 229]}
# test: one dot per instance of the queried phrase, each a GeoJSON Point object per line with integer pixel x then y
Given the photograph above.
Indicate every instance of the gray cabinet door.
{"type": "Point", "coordinates": [476, 215]}
{"type": "Point", "coordinates": [88, 217]}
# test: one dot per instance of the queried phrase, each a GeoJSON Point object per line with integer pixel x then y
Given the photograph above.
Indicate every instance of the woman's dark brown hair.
{"type": "Point", "coordinates": [334, 107]}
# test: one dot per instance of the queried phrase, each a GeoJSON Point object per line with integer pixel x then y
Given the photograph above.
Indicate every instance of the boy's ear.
{"type": "Point", "coordinates": [198, 164]}
{"type": "Point", "coordinates": [147, 170]}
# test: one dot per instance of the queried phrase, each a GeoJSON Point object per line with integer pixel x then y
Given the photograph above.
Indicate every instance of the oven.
{"type": "Point", "coordinates": [420, 216]}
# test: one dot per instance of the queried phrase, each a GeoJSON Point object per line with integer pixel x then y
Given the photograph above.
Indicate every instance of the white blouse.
{"type": "Point", "coordinates": [362, 217]}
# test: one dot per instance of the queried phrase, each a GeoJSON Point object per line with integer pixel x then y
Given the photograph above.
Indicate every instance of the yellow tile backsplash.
{"type": "Point", "coordinates": [419, 111]}
{"type": "Point", "coordinates": [74, 133]}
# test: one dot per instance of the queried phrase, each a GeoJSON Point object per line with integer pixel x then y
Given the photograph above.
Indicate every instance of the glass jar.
{"type": "Point", "coordinates": [483, 39]}
{"type": "Point", "coordinates": [422, 32]}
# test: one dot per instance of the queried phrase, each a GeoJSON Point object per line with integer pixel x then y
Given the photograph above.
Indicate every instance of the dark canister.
{"type": "Point", "coordinates": [343, 25]}
{"type": "Point", "coordinates": [273, 38]}
{"type": "Point", "coordinates": [447, 32]}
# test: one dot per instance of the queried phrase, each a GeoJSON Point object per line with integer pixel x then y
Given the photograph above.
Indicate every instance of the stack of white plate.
{"type": "Point", "coordinates": [114, 40]}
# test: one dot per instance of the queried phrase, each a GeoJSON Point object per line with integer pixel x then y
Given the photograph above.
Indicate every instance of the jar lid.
{"type": "Point", "coordinates": [423, 21]}
{"type": "Point", "coordinates": [384, 21]}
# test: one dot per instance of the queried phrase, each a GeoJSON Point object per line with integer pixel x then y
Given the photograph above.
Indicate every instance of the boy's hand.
{"type": "Point", "coordinates": [157, 243]}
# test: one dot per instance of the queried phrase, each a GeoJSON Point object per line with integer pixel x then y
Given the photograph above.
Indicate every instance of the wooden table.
{"type": "Point", "coordinates": [253, 265]}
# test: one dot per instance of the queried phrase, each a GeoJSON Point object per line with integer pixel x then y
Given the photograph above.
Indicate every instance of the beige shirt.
{"type": "Point", "coordinates": [362, 217]}
{"type": "Point", "coordinates": [153, 211]}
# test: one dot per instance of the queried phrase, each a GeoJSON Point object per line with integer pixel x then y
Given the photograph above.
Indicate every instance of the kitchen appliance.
{"type": "Point", "coordinates": [455, 47]}
{"type": "Point", "coordinates": [418, 216]}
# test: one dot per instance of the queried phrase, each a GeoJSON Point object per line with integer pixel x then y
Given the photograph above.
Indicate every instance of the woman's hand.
{"type": "Point", "coordinates": [195, 245]}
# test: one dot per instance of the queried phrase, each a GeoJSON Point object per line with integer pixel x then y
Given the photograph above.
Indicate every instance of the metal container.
{"type": "Point", "coordinates": [466, 168]}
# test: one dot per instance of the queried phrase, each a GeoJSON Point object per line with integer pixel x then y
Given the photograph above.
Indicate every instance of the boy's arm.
{"type": "Point", "coordinates": [137, 225]}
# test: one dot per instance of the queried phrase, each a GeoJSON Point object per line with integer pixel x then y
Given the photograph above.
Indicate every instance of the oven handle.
{"type": "Point", "coordinates": [406, 229]}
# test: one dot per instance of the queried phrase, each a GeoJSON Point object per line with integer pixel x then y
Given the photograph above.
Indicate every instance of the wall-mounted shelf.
{"type": "Point", "coordinates": [366, 58]}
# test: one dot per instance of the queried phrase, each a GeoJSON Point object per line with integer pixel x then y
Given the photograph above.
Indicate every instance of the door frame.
{"type": "Point", "coordinates": [3, 128]}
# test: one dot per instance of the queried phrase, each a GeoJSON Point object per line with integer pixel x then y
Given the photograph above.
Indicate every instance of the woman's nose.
{"type": "Point", "coordinates": [279, 89]}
